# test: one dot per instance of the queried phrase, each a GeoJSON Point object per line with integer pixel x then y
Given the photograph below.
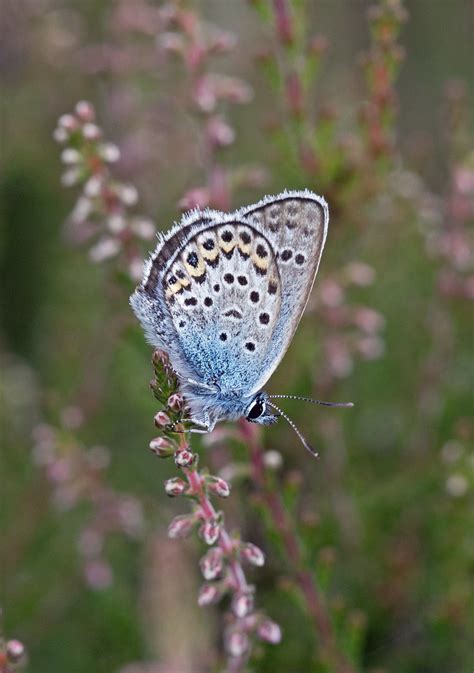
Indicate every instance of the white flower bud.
{"type": "Point", "coordinates": [109, 152]}
{"type": "Point", "coordinates": [70, 156]}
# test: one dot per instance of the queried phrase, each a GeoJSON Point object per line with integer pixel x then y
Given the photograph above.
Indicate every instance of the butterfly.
{"type": "Point", "coordinates": [223, 294]}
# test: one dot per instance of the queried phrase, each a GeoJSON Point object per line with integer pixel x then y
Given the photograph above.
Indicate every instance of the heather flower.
{"type": "Point", "coordinates": [252, 554]}
{"type": "Point", "coordinates": [175, 486]}
{"type": "Point", "coordinates": [212, 563]}
{"type": "Point", "coordinates": [181, 526]}
{"type": "Point", "coordinates": [269, 631]}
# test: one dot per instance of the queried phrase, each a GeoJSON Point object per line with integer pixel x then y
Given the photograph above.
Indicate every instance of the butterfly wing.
{"type": "Point", "coordinates": [223, 294]}
{"type": "Point", "coordinates": [148, 301]}
{"type": "Point", "coordinates": [295, 223]}
{"type": "Point", "coordinates": [211, 297]}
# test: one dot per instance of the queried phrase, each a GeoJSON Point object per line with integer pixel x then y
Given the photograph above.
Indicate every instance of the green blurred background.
{"type": "Point", "coordinates": [397, 533]}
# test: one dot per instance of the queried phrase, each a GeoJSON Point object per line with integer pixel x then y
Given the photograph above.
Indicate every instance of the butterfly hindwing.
{"type": "Point", "coordinates": [222, 313]}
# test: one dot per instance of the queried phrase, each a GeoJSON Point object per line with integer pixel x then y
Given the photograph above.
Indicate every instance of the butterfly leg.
{"type": "Point", "coordinates": [201, 384]}
{"type": "Point", "coordinates": [205, 422]}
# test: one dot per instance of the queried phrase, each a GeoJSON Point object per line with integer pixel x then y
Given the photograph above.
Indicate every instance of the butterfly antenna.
{"type": "Point", "coordinates": [309, 399]}
{"type": "Point", "coordinates": [306, 445]}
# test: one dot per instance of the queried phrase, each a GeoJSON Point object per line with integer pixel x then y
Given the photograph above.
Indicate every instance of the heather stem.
{"type": "Point", "coordinates": [222, 564]}
{"type": "Point", "coordinates": [225, 542]}
{"type": "Point", "coordinates": [303, 577]}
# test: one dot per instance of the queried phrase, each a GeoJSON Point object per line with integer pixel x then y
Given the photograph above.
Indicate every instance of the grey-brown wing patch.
{"type": "Point", "coordinates": [295, 224]}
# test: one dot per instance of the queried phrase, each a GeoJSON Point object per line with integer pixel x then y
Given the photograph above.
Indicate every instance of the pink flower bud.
{"type": "Point", "coordinates": [237, 643]}
{"type": "Point", "coordinates": [199, 197]}
{"type": "Point", "coordinates": [143, 228]}
{"type": "Point", "coordinates": [115, 223]}
{"type": "Point", "coordinates": [368, 320]}
{"type": "Point", "coordinates": [135, 268]}
{"type": "Point", "coordinates": [60, 135]}
{"type": "Point", "coordinates": [218, 486]}
{"type": "Point", "coordinates": [209, 531]}
{"type": "Point", "coordinates": [360, 273]}
{"type": "Point", "coordinates": [15, 651]}
{"type": "Point", "coordinates": [209, 593]}
{"type": "Point", "coordinates": [272, 459]}
{"type": "Point", "coordinates": [85, 111]}
{"type": "Point", "coordinates": [175, 402]}
{"type": "Point", "coordinates": [211, 564]}
{"type": "Point", "coordinates": [184, 458]}
{"type": "Point", "coordinates": [253, 554]}
{"type": "Point", "coordinates": [91, 131]}
{"type": "Point", "coordinates": [109, 152]}
{"type": "Point", "coordinates": [161, 447]}
{"type": "Point", "coordinates": [175, 486]}
{"type": "Point", "coordinates": [98, 574]}
{"type": "Point", "coordinates": [161, 419]}
{"type": "Point", "coordinates": [67, 122]}
{"type": "Point", "coordinates": [181, 526]}
{"type": "Point", "coordinates": [204, 94]}
{"type": "Point", "coordinates": [70, 177]}
{"type": "Point", "coordinates": [104, 249]}
{"type": "Point", "coordinates": [219, 132]}
{"type": "Point", "coordinates": [128, 195]}
{"type": "Point", "coordinates": [93, 187]}
{"type": "Point", "coordinates": [269, 631]}
{"type": "Point", "coordinates": [242, 604]}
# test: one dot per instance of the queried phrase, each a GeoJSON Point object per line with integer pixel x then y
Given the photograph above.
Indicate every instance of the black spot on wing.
{"type": "Point", "coordinates": [233, 313]}
{"type": "Point", "coordinates": [272, 287]}
{"type": "Point", "coordinates": [192, 259]}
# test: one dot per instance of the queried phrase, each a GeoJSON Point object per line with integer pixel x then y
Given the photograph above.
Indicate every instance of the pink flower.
{"type": "Point", "coordinates": [269, 631]}
{"type": "Point", "coordinates": [211, 564]}
{"type": "Point", "coordinates": [181, 526]}
{"type": "Point", "coordinates": [175, 486]}
{"type": "Point", "coordinates": [218, 486]}
{"type": "Point", "coordinates": [209, 593]}
{"type": "Point", "coordinates": [184, 458]}
{"type": "Point", "coordinates": [209, 531]}
{"type": "Point", "coordinates": [237, 643]}
{"type": "Point", "coordinates": [253, 554]}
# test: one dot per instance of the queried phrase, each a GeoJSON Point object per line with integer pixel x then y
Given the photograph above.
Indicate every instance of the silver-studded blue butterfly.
{"type": "Point", "coordinates": [223, 294]}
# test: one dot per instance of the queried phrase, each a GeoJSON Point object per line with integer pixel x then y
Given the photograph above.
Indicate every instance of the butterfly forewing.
{"type": "Point", "coordinates": [295, 224]}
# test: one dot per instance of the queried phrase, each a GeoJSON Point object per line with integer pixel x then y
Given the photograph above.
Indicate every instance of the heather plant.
{"type": "Point", "coordinates": [12, 654]}
{"type": "Point", "coordinates": [357, 561]}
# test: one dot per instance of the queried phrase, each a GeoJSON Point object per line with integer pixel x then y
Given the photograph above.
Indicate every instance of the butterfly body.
{"type": "Point", "coordinates": [223, 295]}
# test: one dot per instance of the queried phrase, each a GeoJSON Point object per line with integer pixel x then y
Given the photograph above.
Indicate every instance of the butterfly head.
{"type": "Point", "coordinates": [258, 410]}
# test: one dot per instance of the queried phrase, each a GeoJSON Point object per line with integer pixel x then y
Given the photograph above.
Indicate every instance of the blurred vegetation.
{"type": "Point", "coordinates": [384, 518]}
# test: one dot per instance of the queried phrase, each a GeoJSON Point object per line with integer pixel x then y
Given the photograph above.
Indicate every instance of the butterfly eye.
{"type": "Point", "coordinates": [255, 411]}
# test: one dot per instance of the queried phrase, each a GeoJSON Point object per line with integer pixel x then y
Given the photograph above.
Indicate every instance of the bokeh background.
{"type": "Point", "coordinates": [379, 122]}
